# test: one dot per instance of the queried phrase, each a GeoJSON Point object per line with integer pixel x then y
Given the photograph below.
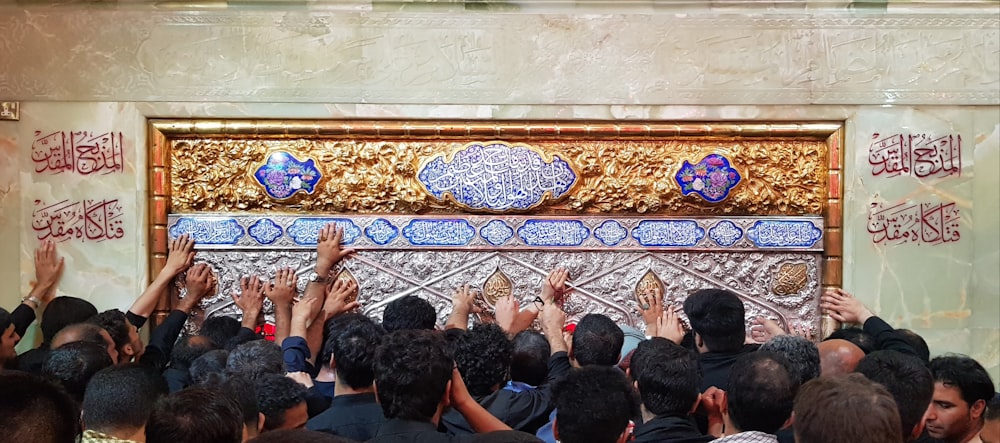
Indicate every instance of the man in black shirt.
{"type": "Point", "coordinates": [353, 413]}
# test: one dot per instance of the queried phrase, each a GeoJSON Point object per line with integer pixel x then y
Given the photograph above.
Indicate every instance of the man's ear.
{"type": "Point", "coordinates": [555, 428]}
{"type": "Point", "coordinates": [918, 429]}
{"type": "Point", "coordinates": [977, 409]}
{"type": "Point", "coordinates": [698, 341]}
{"type": "Point", "coordinates": [788, 423]}
{"type": "Point", "coordinates": [260, 422]}
{"type": "Point", "coordinates": [697, 402]}
{"type": "Point", "coordinates": [333, 362]}
{"type": "Point", "coordinates": [126, 350]}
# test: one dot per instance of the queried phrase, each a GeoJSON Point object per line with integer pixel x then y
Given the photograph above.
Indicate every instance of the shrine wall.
{"type": "Point", "coordinates": [903, 80]}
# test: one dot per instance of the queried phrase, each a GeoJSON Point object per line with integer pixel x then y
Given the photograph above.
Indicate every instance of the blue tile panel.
{"type": "Point", "coordinates": [282, 175]}
{"type": "Point", "coordinates": [553, 232]}
{"type": "Point", "coordinates": [711, 178]}
{"type": "Point", "coordinates": [305, 231]}
{"type": "Point", "coordinates": [668, 233]}
{"type": "Point", "coordinates": [208, 230]}
{"type": "Point", "coordinates": [784, 234]}
{"type": "Point", "coordinates": [265, 231]}
{"type": "Point", "coordinates": [497, 177]}
{"type": "Point", "coordinates": [498, 232]}
{"type": "Point", "coordinates": [381, 231]}
{"type": "Point", "coordinates": [439, 232]}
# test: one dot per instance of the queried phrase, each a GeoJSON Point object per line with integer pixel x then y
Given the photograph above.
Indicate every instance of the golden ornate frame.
{"type": "Point", "coordinates": [163, 132]}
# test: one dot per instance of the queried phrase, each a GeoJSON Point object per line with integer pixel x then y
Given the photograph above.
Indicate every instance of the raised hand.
{"type": "Point", "coordinates": [180, 255]}
{"type": "Point", "coordinates": [250, 300]}
{"type": "Point", "coordinates": [328, 248]}
{"type": "Point", "coordinates": [651, 308]}
{"type": "Point", "coordinates": [281, 291]}
{"type": "Point", "coordinates": [48, 269]}
{"type": "Point", "coordinates": [199, 282]}
{"type": "Point", "coordinates": [843, 307]}
{"type": "Point", "coordinates": [506, 313]}
{"type": "Point", "coordinates": [554, 286]}
{"type": "Point", "coordinates": [339, 298]}
{"type": "Point", "coordinates": [303, 314]}
{"type": "Point", "coordinates": [763, 329]}
{"type": "Point", "coordinates": [669, 326]}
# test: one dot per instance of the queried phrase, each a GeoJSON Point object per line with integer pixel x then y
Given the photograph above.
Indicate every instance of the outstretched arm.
{"type": "Point", "coordinates": [48, 270]}
{"type": "Point", "coordinates": [180, 256]}
{"type": "Point", "coordinates": [281, 292]}
{"type": "Point", "coordinates": [478, 417]}
{"type": "Point", "coordinates": [844, 308]}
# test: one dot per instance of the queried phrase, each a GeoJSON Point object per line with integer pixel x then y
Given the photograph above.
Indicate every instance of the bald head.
{"type": "Point", "coordinates": [88, 333]}
{"type": "Point", "coordinates": [837, 357]}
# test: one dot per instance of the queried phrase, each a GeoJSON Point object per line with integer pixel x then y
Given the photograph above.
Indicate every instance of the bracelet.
{"type": "Point", "coordinates": [32, 300]}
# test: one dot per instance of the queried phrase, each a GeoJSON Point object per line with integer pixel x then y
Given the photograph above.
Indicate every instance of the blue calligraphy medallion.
{"type": "Point", "coordinates": [496, 232]}
{"type": "Point", "coordinates": [497, 177]}
{"type": "Point", "coordinates": [439, 232]}
{"type": "Point", "coordinates": [725, 233]}
{"type": "Point", "coordinates": [265, 231]}
{"type": "Point", "coordinates": [610, 233]}
{"type": "Point", "coordinates": [381, 232]}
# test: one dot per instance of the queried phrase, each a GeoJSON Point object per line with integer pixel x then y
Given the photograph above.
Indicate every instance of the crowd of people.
{"type": "Point", "coordinates": [334, 375]}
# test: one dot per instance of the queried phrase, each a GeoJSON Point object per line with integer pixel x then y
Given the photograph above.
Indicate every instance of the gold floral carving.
{"type": "Point", "coordinates": [497, 285]}
{"type": "Point", "coordinates": [784, 176]}
{"type": "Point", "coordinates": [790, 279]}
{"type": "Point", "coordinates": [348, 276]}
{"type": "Point", "coordinates": [649, 282]}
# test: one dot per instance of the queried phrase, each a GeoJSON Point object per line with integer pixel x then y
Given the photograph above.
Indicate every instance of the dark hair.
{"type": "Point", "coordinates": [255, 358]}
{"type": "Point", "coordinates": [188, 348]}
{"type": "Point", "coordinates": [4, 320]}
{"type": "Point", "coordinates": [717, 316]}
{"type": "Point", "coordinates": [209, 368]}
{"type": "Point", "coordinates": [64, 311]}
{"type": "Point", "coordinates": [115, 323]}
{"type": "Point", "coordinates": [244, 392]}
{"type": "Point", "coordinates": [761, 392]}
{"type": "Point", "coordinates": [906, 378]}
{"type": "Point", "coordinates": [483, 357]}
{"type": "Point", "coordinates": [992, 409]}
{"type": "Point", "coordinates": [802, 355]}
{"type": "Point", "coordinates": [668, 376]}
{"type": "Point", "coordinates": [298, 436]}
{"type": "Point", "coordinates": [36, 410]}
{"type": "Point", "coordinates": [593, 404]}
{"type": "Point", "coordinates": [195, 415]}
{"type": "Point", "coordinates": [917, 343]}
{"type": "Point", "coordinates": [74, 364]}
{"type": "Point", "coordinates": [121, 397]}
{"type": "Point", "coordinates": [597, 340]}
{"type": "Point", "coordinates": [352, 343]}
{"type": "Point", "coordinates": [847, 408]}
{"type": "Point", "coordinates": [220, 329]}
{"type": "Point", "coordinates": [410, 312]}
{"type": "Point", "coordinates": [529, 361]}
{"type": "Point", "coordinates": [855, 335]}
{"type": "Point", "coordinates": [964, 373]}
{"type": "Point", "coordinates": [275, 395]}
{"type": "Point", "coordinates": [412, 371]}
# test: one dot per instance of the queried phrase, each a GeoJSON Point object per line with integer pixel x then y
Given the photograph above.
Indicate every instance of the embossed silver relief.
{"type": "Point", "coordinates": [603, 281]}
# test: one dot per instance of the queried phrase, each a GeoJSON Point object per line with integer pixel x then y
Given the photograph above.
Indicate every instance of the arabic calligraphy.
{"type": "Point", "coordinates": [497, 177]}
{"type": "Point", "coordinates": [919, 155]}
{"type": "Point", "coordinates": [83, 152]}
{"type": "Point", "coordinates": [918, 223]}
{"type": "Point", "coordinates": [784, 233]}
{"type": "Point", "coordinates": [85, 220]}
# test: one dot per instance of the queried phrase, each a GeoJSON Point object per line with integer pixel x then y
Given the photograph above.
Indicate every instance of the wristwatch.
{"type": "Point", "coordinates": [316, 278]}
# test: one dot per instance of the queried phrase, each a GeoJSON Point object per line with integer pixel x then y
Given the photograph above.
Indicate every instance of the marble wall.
{"type": "Point", "coordinates": [906, 70]}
